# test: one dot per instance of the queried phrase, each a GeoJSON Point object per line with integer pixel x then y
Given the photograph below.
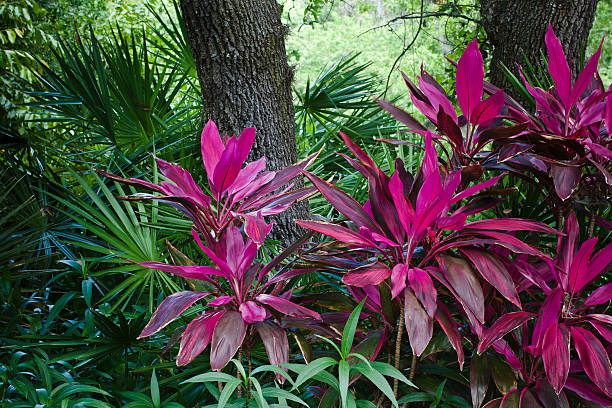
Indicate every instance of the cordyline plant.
{"type": "Point", "coordinates": [567, 141]}
{"type": "Point", "coordinates": [241, 289]}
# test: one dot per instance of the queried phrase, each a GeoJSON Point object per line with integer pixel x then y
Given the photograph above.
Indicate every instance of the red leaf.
{"type": "Point", "coordinates": [226, 339]}
{"type": "Point", "coordinates": [470, 79]}
{"type": "Point", "coordinates": [197, 336]}
{"type": "Point", "coordinates": [501, 327]}
{"type": "Point", "coordinates": [494, 272]}
{"type": "Point", "coordinates": [170, 309]}
{"type": "Point", "coordinates": [418, 323]}
{"type": "Point", "coordinates": [580, 264]}
{"type": "Point", "coordinates": [556, 355]}
{"type": "Point", "coordinates": [566, 179]}
{"type": "Point", "coordinates": [600, 263]}
{"type": "Point", "coordinates": [566, 247]}
{"type": "Point", "coordinates": [286, 306]}
{"type": "Point", "coordinates": [594, 359]}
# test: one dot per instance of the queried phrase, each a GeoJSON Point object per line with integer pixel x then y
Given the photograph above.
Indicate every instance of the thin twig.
{"type": "Point", "coordinates": [398, 347]}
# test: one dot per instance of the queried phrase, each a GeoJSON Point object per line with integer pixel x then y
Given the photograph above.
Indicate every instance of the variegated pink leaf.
{"type": "Point", "coordinates": [558, 67]}
{"type": "Point", "coordinates": [470, 79]}
{"type": "Point", "coordinates": [556, 355]}
{"type": "Point", "coordinates": [287, 307]}
{"type": "Point", "coordinates": [367, 275]}
{"type": "Point", "coordinates": [275, 342]}
{"type": "Point", "coordinates": [197, 336]}
{"type": "Point", "coordinates": [227, 337]}
{"type": "Point", "coordinates": [501, 327]}
{"type": "Point", "coordinates": [594, 359]}
{"type": "Point", "coordinates": [419, 324]}
{"type": "Point", "coordinates": [170, 309]}
{"type": "Point", "coordinates": [251, 312]}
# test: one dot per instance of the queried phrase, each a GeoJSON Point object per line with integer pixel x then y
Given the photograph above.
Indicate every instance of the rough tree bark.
{"type": "Point", "coordinates": [239, 51]}
{"type": "Point", "coordinates": [515, 27]}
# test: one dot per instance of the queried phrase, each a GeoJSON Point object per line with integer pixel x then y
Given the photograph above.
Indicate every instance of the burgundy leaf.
{"type": "Point", "coordinates": [494, 272]}
{"type": "Point", "coordinates": [170, 309]}
{"type": "Point", "coordinates": [450, 327]}
{"type": "Point", "coordinates": [367, 275]}
{"type": "Point", "coordinates": [465, 283]}
{"type": "Point", "coordinates": [594, 359]}
{"type": "Point", "coordinates": [549, 315]}
{"type": "Point", "coordinates": [226, 339]}
{"type": "Point", "coordinates": [275, 341]}
{"type": "Point", "coordinates": [470, 79]}
{"type": "Point", "coordinates": [556, 355]}
{"type": "Point", "coordinates": [344, 203]}
{"type": "Point", "coordinates": [418, 323]}
{"type": "Point", "coordinates": [287, 307]}
{"type": "Point", "coordinates": [580, 265]}
{"type": "Point", "coordinates": [501, 327]}
{"type": "Point", "coordinates": [566, 179]}
{"type": "Point", "coordinates": [424, 289]}
{"type": "Point", "coordinates": [600, 263]}
{"type": "Point", "coordinates": [337, 232]}
{"type": "Point", "coordinates": [197, 336]}
{"type": "Point", "coordinates": [448, 126]}
{"type": "Point", "coordinates": [401, 115]}
{"type": "Point", "coordinates": [479, 379]}
{"type": "Point", "coordinates": [439, 100]}
{"type": "Point", "coordinates": [557, 65]}
{"type": "Point", "coordinates": [567, 245]}
{"type": "Point", "coordinates": [405, 212]}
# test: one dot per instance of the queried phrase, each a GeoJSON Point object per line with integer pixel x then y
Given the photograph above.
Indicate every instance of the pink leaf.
{"type": "Point", "coordinates": [579, 266]}
{"type": "Point", "coordinates": [511, 224]}
{"type": "Point", "coordinates": [556, 355]}
{"type": "Point", "coordinates": [549, 315]}
{"type": "Point", "coordinates": [275, 341]}
{"type": "Point", "coordinates": [588, 392]}
{"type": "Point", "coordinates": [212, 148]}
{"type": "Point", "coordinates": [423, 288]}
{"type": "Point", "coordinates": [198, 272]}
{"type": "Point", "coordinates": [469, 192]}
{"type": "Point", "coordinates": [256, 228]}
{"type": "Point", "coordinates": [398, 279]}
{"type": "Point", "coordinates": [287, 307]}
{"type": "Point", "coordinates": [226, 339]}
{"type": "Point", "coordinates": [228, 167]}
{"type": "Point", "coordinates": [367, 275]}
{"type": "Point", "coordinates": [247, 175]}
{"type": "Point", "coordinates": [170, 309]}
{"type": "Point", "coordinates": [470, 79]}
{"type": "Point", "coordinates": [608, 112]}
{"type": "Point", "coordinates": [401, 115]}
{"type": "Point", "coordinates": [251, 312]}
{"type": "Point", "coordinates": [566, 247]}
{"type": "Point", "coordinates": [594, 359]}
{"type": "Point", "coordinates": [566, 179]}
{"type": "Point", "coordinates": [419, 324]}
{"type": "Point", "coordinates": [220, 301]}
{"type": "Point", "coordinates": [601, 263]}
{"type": "Point", "coordinates": [245, 142]}
{"type": "Point", "coordinates": [439, 101]}
{"type": "Point", "coordinates": [405, 212]}
{"type": "Point", "coordinates": [494, 272]}
{"type": "Point", "coordinates": [557, 65]}
{"type": "Point", "coordinates": [197, 336]}
{"type": "Point", "coordinates": [488, 109]}
{"type": "Point", "coordinates": [501, 327]}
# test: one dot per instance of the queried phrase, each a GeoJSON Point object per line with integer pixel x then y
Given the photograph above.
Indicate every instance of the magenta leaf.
{"type": "Point", "coordinates": [594, 359]}
{"type": "Point", "coordinates": [557, 65]}
{"type": "Point", "coordinates": [600, 263]}
{"type": "Point", "coordinates": [549, 315]}
{"type": "Point", "coordinates": [228, 167]}
{"type": "Point", "coordinates": [600, 295]}
{"type": "Point", "coordinates": [398, 279]}
{"type": "Point", "coordinates": [580, 264]}
{"type": "Point", "coordinates": [226, 339]}
{"type": "Point", "coordinates": [344, 203]}
{"type": "Point", "coordinates": [418, 323]}
{"type": "Point", "coordinates": [367, 275]}
{"type": "Point", "coordinates": [567, 245]}
{"type": "Point", "coordinates": [198, 272]}
{"type": "Point", "coordinates": [275, 341]}
{"type": "Point", "coordinates": [465, 283]}
{"type": "Point", "coordinates": [511, 224]}
{"type": "Point", "coordinates": [251, 312]}
{"type": "Point", "coordinates": [401, 115]}
{"type": "Point", "coordinates": [337, 232]}
{"type": "Point", "coordinates": [405, 212]}
{"type": "Point", "coordinates": [494, 272]}
{"type": "Point", "coordinates": [470, 79]}
{"type": "Point", "coordinates": [424, 289]}
{"type": "Point", "coordinates": [170, 309]}
{"type": "Point", "coordinates": [501, 327]}
{"type": "Point", "coordinates": [245, 143]}
{"type": "Point", "coordinates": [487, 109]}
{"type": "Point", "coordinates": [256, 228]}
{"type": "Point", "coordinates": [286, 306]}
{"type": "Point", "coordinates": [220, 301]}
{"type": "Point", "coordinates": [197, 336]}
{"type": "Point", "coordinates": [585, 77]}
{"type": "Point", "coordinates": [212, 148]}
{"type": "Point", "coordinates": [588, 392]}
{"type": "Point", "coordinates": [556, 355]}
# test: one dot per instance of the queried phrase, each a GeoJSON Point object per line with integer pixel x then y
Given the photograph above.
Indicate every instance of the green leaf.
{"type": "Point", "coordinates": [343, 380]}
{"type": "Point", "coordinates": [261, 401]}
{"type": "Point", "coordinates": [390, 371]}
{"type": "Point", "coordinates": [228, 390]}
{"type": "Point", "coordinates": [155, 390]}
{"type": "Point", "coordinates": [313, 368]}
{"type": "Point", "coordinates": [416, 397]}
{"type": "Point", "coordinates": [377, 379]}
{"type": "Point", "coordinates": [280, 393]}
{"type": "Point", "coordinates": [211, 376]}
{"type": "Point", "coordinates": [349, 330]}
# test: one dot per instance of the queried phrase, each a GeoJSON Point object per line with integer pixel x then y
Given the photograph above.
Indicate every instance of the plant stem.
{"type": "Point", "coordinates": [411, 376]}
{"type": "Point", "coordinates": [592, 225]}
{"type": "Point", "coordinates": [238, 373]}
{"type": "Point", "coordinates": [398, 347]}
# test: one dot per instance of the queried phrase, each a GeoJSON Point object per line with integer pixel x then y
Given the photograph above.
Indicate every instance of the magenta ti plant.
{"type": "Point", "coordinates": [244, 293]}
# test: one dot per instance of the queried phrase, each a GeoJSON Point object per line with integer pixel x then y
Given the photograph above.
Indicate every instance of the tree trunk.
{"type": "Point", "coordinates": [517, 27]}
{"type": "Point", "coordinates": [239, 51]}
